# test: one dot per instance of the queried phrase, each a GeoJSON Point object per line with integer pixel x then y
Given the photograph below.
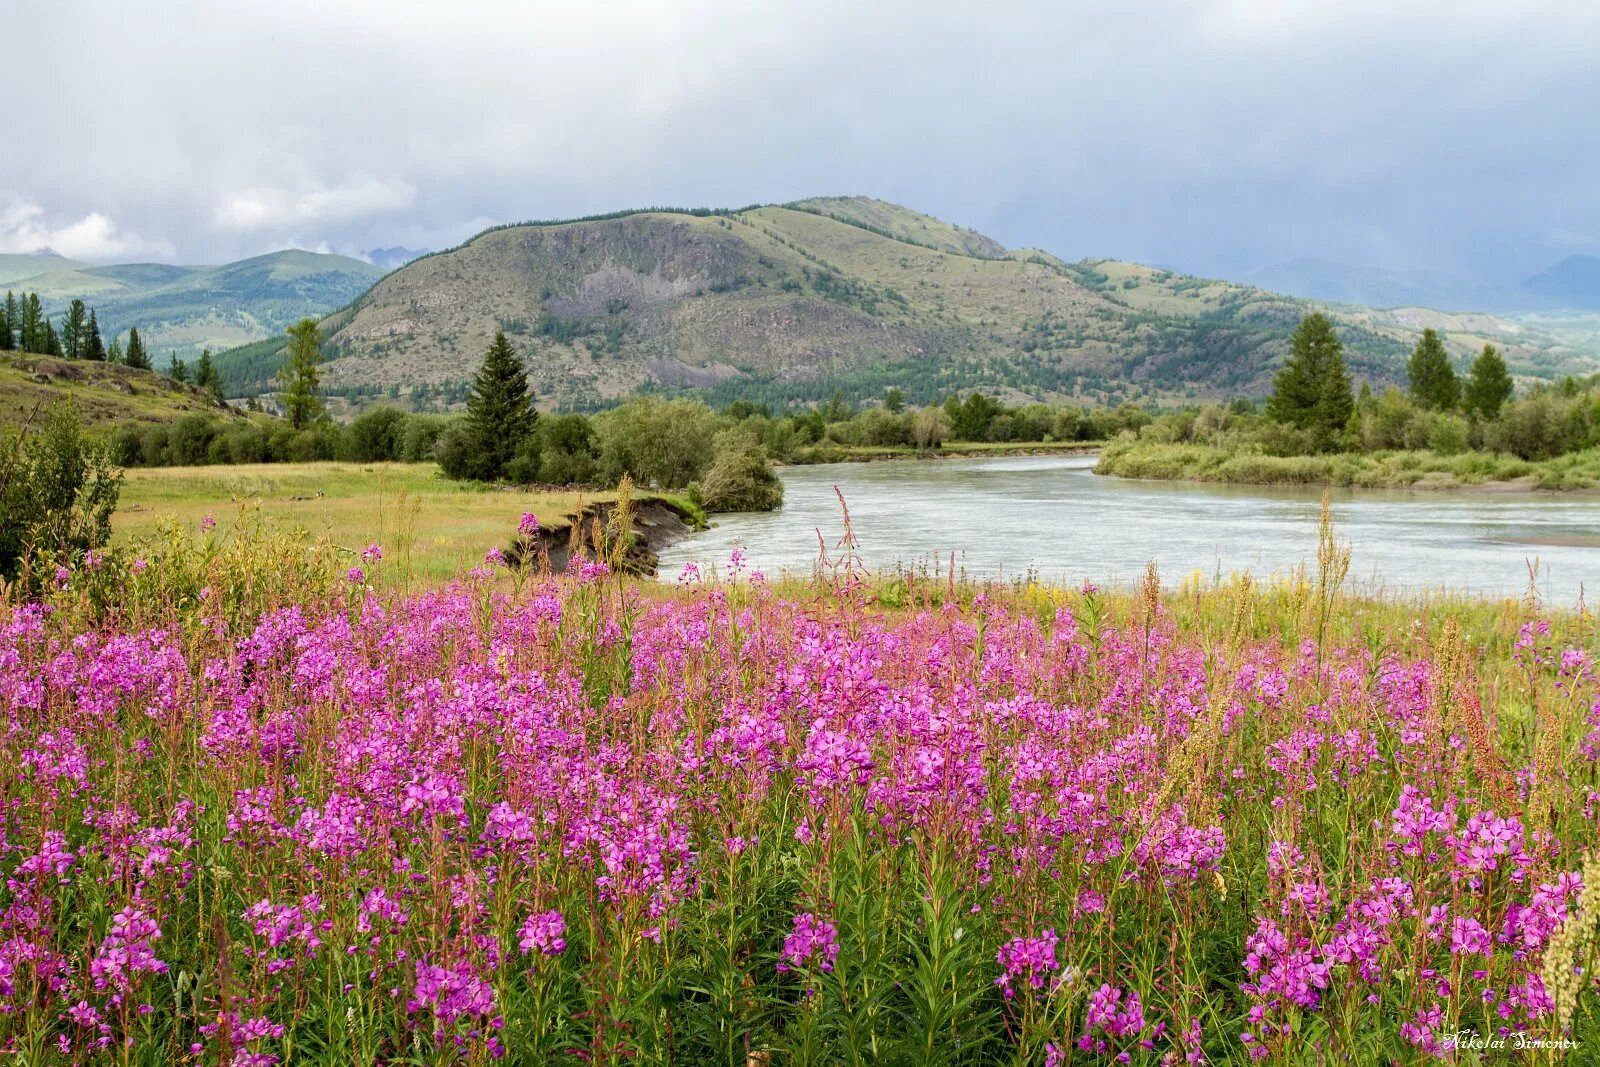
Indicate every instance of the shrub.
{"type": "Point", "coordinates": [740, 479]}
{"type": "Point", "coordinates": [58, 490]}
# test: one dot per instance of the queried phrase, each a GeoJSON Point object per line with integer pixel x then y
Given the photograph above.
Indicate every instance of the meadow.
{"type": "Point", "coordinates": [269, 807]}
{"type": "Point", "coordinates": [434, 528]}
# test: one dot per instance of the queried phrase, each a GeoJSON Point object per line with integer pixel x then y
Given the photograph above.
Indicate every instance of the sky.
{"type": "Point", "coordinates": [1214, 136]}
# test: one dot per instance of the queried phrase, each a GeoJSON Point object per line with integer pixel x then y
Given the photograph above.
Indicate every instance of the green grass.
{"type": "Point", "coordinates": [104, 392]}
{"type": "Point", "coordinates": [1416, 470]}
{"type": "Point", "coordinates": [447, 525]}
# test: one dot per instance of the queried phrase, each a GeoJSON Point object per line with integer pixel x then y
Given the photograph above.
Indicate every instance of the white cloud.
{"type": "Point", "coordinates": [25, 227]}
{"type": "Point", "coordinates": [272, 208]}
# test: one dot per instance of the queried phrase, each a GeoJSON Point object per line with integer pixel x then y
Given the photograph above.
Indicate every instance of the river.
{"type": "Point", "coordinates": [1006, 516]}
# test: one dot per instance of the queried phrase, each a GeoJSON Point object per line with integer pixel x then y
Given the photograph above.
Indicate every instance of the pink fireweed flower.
{"type": "Point", "coordinates": [371, 554]}
{"type": "Point", "coordinates": [494, 558]}
{"type": "Point", "coordinates": [809, 938]}
{"type": "Point", "coordinates": [355, 576]}
{"type": "Point", "coordinates": [528, 525]}
{"type": "Point", "coordinates": [1031, 959]}
{"type": "Point", "coordinates": [208, 523]}
{"type": "Point", "coordinates": [544, 932]}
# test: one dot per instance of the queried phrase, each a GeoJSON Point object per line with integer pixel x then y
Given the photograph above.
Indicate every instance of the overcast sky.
{"type": "Point", "coordinates": [1212, 136]}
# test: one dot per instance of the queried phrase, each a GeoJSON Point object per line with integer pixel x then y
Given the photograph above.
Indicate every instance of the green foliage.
{"type": "Point", "coordinates": [137, 357]}
{"type": "Point", "coordinates": [299, 376]}
{"type": "Point", "coordinates": [1312, 390]}
{"type": "Point", "coordinates": [740, 478]}
{"type": "Point", "coordinates": [58, 490]}
{"type": "Point", "coordinates": [1488, 384]}
{"type": "Point", "coordinates": [500, 415]}
{"type": "Point", "coordinates": [1433, 379]}
{"type": "Point", "coordinates": [663, 444]}
{"type": "Point", "coordinates": [206, 376]}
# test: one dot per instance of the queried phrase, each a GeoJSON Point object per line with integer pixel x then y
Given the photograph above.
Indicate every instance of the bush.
{"type": "Point", "coordinates": [58, 490]}
{"type": "Point", "coordinates": [377, 434]}
{"type": "Point", "coordinates": [740, 479]}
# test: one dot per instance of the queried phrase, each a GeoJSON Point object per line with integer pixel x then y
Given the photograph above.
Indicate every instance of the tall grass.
{"type": "Point", "coordinates": [266, 807]}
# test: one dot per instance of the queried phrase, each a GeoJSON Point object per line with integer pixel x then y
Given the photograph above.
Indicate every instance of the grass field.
{"type": "Point", "coordinates": [444, 527]}
{"type": "Point", "coordinates": [104, 392]}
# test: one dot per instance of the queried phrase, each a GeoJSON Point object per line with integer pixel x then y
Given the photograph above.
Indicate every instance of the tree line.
{"type": "Point", "coordinates": [24, 327]}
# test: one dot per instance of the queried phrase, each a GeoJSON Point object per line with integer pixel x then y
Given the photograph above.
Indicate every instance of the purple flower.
{"type": "Point", "coordinates": [809, 938]}
{"type": "Point", "coordinates": [544, 932]}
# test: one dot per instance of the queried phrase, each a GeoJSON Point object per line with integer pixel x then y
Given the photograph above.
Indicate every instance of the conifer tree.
{"type": "Point", "coordinates": [206, 375]}
{"type": "Point", "coordinates": [1433, 380]}
{"type": "Point", "coordinates": [137, 357]}
{"type": "Point", "coordinates": [95, 349]}
{"type": "Point", "coordinates": [1312, 390]}
{"type": "Point", "coordinates": [114, 353]}
{"type": "Point", "coordinates": [33, 337]}
{"type": "Point", "coordinates": [52, 341]}
{"type": "Point", "coordinates": [75, 330]}
{"type": "Point", "coordinates": [7, 311]}
{"type": "Point", "coordinates": [500, 414]}
{"type": "Point", "coordinates": [300, 377]}
{"type": "Point", "coordinates": [1488, 384]}
{"type": "Point", "coordinates": [177, 369]}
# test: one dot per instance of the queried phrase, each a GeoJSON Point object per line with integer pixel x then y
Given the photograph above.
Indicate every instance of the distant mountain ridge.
{"type": "Point", "coordinates": [392, 258]}
{"type": "Point", "coordinates": [787, 303]}
{"type": "Point", "coordinates": [1572, 284]}
{"type": "Point", "coordinates": [186, 309]}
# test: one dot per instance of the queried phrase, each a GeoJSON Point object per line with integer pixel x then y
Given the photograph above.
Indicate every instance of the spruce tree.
{"type": "Point", "coordinates": [6, 311]}
{"type": "Point", "coordinates": [1488, 384]}
{"type": "Point", "coordinates": [52, 340]}
{"type": "Point", "coordinates": [75, 330]}
{"type": "Point", "coordinates": [500, 414]}
{"type": "Point", "coordinates": [34, 325]}
{"type": "Point", "coordinates": [114, 353]}
{"type": "Point", "coordinates": [96, 346]}
{"type": "Point", "coordinates": [300, 377]}
{"type": "Point", "coordinates": [177, 369]}
{"type": "Point", "coordinates": [1433, 380]}
{"type": "Point", "coordinates": [137, 356]}
{"type": "Point", "coordinates": [206, 376]}
{"type": "Point", "coordinates": [1312, 390]}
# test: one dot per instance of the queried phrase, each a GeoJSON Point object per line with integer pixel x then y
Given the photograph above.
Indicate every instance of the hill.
{"type": "Point", "coordinates": [186, 309]}
{"type": "Point", "coordinates": [790, 302]}
{"type": "Point", "coordinates": [1573, 283]}
{"type": "Point", "coordinates": [104, 392]}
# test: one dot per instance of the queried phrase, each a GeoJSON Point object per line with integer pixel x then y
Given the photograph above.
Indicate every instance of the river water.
{"type": "Point", "coordinates": [1006, 516]}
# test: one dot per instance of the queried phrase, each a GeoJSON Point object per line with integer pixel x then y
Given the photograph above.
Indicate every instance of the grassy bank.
{"type": "Point", "coordinates": [836, 453]}
{"type": "Point", "coordinates": [442, 526]}
{"type": "Point", "coordinates": [1398, 469]}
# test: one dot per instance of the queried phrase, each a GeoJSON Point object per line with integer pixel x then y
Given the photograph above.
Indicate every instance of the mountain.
{"type": "Point", "coordinates": [1572, 283]}
{"type": "Point", "coordinates": [186, 309]}
{"type": "Point", "coordinates": [14, 266]}
{"type": "Point", "coordinates": [789, 302]}
{"type": "Point", "coordinates": [1319, 279]}
{"type": "Point", "coordinates": [391, 258]}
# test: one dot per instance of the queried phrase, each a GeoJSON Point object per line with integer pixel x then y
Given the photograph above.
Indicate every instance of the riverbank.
{"type": "Point", "coordinates": [950, 450]}
{"type": "Point", "coordinates": [430, 527]}
{"type": "Point", "coordinates": [1472, 471]}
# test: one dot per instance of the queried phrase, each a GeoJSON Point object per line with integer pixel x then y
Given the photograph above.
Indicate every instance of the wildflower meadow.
{"type": "Point", "coordinates": [264, 805]}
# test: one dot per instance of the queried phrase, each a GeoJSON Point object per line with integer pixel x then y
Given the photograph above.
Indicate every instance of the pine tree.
{"type": "Point", "coordinates": [137, 356]}
{"type": "Point", "coordinates": [1433, 380]}
{"type": "Point", "coordinates": [7, 309]}
{"type": "Point", "coordinates": [33, 337]}
{"type": "Point", "coordinates": [1312, 390]}
{"type": "Point", "coordinates": [1488, 384]}
{"type": "Point", "coordinates": [300, 376]}
{"type": "Point", "coordinates": [177, 369]}
{"type": "Point", "coordinates": [114, 353]}
{"type": "Point", "coordinates": [75, 330]}
{"type": "Point", "coordinates": [96, 347]}
{"type": "Point", "coordinates": [500, 413]}
{"type": "Point", "coordinates": [52, 340]}
{"type": "Point", "coordinates": [206, 376]}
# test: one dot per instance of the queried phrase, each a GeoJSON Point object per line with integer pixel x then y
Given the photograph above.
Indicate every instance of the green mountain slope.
{"type": "Point", "coordinates": [788, 303]}
{"type": "Point", "coordinates": [186, 309]}
{"type": "Point", "coordinates": [105, 393]}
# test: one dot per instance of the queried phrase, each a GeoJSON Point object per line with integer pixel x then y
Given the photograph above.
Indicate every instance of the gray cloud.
{"type": "Point", "coordinates": [1215, 136]}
